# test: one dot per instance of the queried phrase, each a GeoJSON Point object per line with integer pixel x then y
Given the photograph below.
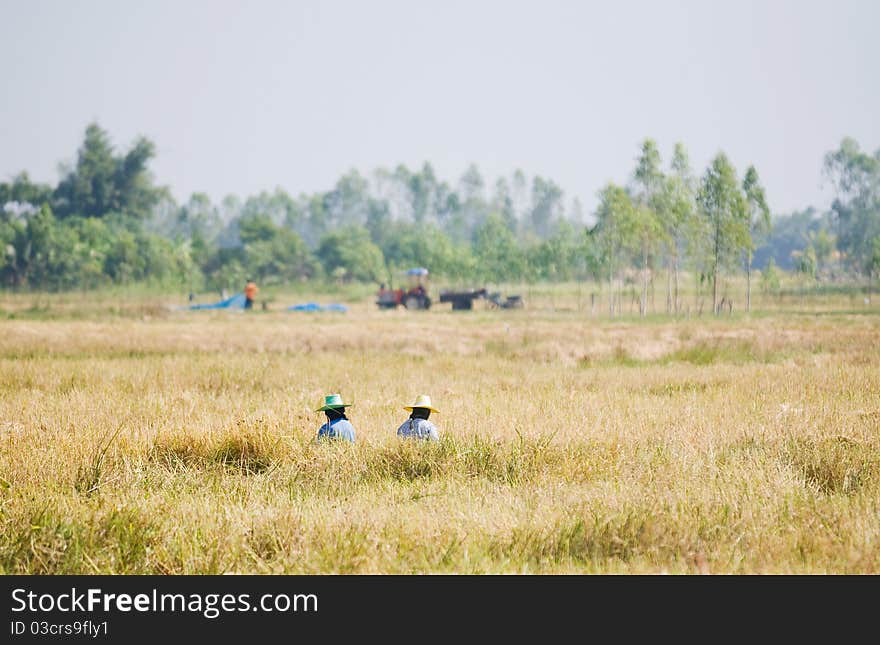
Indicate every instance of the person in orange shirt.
{"type": "Point", "coordinates": [250, 290]}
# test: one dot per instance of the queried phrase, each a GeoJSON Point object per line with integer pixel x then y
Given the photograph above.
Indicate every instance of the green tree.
{"type": "Point", "coordinates": [806, 265]}
{"type": "Point", "coordinates": [824, 243]}
{"type": "Point", "coordinates": [88, 190]}
{"type": "Point", "coordinates": [645, 234]}
{"type": "Point", "coordinates": [347, 204]}
{"type": "Point", "coordinates": [273, 253]}
{"type": "Point", "coordinates": [22, 191]}
{"type": "Point", "coordinates": [724, 208]}
{"type": "Point", "coordinates": [558, 257]}
{"type": "Point", "coordinates": [350, 253]}
{"type": "Point", "coordinates": [770, 281]}
{"type": "Point", "coordinates": [546, 207]}
{"type": "Point", "coordinates": [95, 242]}
{"type": "Point", "coordinates": [471, 208]}
{"type": "Point", "coordinates": [405, 245]}
{"type": "Point", "coordinates": [856, 179]}
{"type": "Point", "coordinates": [679, 220]}
{"type": "Point", "coordinates": [496, 251]}
{"type": "Point", "coordinates": [122, 262]}
{"type": "Point", "coordinates": [12, 227]}
{"type": "Point", "coordinates": [282, 258]}
{"type": "Point", "coordinates": [651, 221]}
{"type": "Point", "coordinates": [102, 183]}
{"type": "Point", "coordinates": [790, 233]}
{"type": "Point", "coordinates": [134, 193]}
{"type": "Point", "coordinates": [502, 203]}
{"type": "Point", "coordinates": [422, 188]}
{"type": "Point", "coordinates": [612, 232]}
{"type": "Point", "coordinates": [197, 219]}
{"type": "Point", "coordinates": [758, 214]}
{"type": "Point", "coordinates": [874, 266]}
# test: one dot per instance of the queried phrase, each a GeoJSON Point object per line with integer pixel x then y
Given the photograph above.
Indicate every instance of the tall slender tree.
{"type": "Point", "coordinates": [856, 178]}
{"type": "Point", "coordinates": [651, 196]}
{"type": "Point", "coordinates": [615, 214]}
{"type": "Point", "coordinates": [723, 206]}
{"type": "Point", "coordinates": [679, 219]}
{"type": "Point", "coordinates": [759, 222]}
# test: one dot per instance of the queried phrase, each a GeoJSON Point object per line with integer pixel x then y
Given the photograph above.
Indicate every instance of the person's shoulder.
{"type": "Point", "coordinates": [345, 429]}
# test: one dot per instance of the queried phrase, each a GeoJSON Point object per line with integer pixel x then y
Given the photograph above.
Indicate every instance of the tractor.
{"type": "Point", "coordinates": [414, 297]}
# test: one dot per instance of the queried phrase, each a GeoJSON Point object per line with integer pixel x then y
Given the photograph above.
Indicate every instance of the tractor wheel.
{"type": "Point", "coordinates": [412, 302]}
{"type": "Point", "coordinates": [417, 301]}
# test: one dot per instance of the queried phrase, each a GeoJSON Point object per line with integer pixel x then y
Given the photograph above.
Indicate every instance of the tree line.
{"type": "Point", "coordinates": [106, 222]}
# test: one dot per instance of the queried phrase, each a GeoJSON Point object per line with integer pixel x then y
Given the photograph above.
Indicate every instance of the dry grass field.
{"type": "Point", "coordinates": [183, 442]}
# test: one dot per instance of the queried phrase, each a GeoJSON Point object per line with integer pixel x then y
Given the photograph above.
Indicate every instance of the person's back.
{"type": "Point", "coordinates": [337, 426]}
{"type": "Point", "coordinates": [418, 429]}
{"type": "Point", "coordinates": [340, 428]}
{"type": "Point", "coordinates": [250, 292]}
{"type": "Point", "coordinates": [418, 426]}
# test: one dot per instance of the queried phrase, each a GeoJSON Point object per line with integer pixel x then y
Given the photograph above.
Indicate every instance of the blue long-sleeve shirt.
{"type": "Point", "coordinates": [337, 429]}
{"type": "Point", "coordinates": [418, 429]}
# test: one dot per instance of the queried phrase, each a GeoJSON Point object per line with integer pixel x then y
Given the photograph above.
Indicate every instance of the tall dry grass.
{"type": "Point", "coordinates": [184, 443]}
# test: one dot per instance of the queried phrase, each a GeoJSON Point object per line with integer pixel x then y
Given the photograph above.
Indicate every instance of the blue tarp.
{"type": "Point", "coordinates": [314, 306]}
{"type": "Point", "coordinates": [235, 302]}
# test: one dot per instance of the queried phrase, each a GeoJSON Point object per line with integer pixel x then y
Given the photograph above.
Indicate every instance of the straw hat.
{"type": "Point", "coordinates": [422, 401]}
{"type": "Point", "coordinates": [333, 402]}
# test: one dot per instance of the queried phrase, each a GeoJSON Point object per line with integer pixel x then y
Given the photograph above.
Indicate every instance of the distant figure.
{"type": "Point", "coordinates": [338, 426]}
{"type": "Point", "coordinates": [250, 290]}
{"type": "Point", "coordinates": [418, 426]}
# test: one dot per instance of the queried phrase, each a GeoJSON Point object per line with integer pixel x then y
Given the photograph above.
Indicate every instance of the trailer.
{"type": "Point", "coordinates": [462, 299]}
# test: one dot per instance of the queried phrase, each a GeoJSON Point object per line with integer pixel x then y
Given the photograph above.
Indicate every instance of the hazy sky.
{"type": "Point", "coordinates": [245, 96]}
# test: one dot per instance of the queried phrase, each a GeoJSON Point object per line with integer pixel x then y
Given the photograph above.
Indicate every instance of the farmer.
{"type": "Point", "coordinates": [338, 426]}
{"type": "Point", "coordinates": [418, 426]}
{"type": "Point", "coordinates": [250, 290]}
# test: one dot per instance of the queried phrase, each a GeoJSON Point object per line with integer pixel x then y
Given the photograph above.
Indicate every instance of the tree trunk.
{"type": "Point", "coordinates": [610, 291]}
{"type": "Point", "coordinates": [715, 274]}
{"type": "Point", "coordinates": [715, 288]}
{"type": "Point", "coordinates": [749, 283]}
{"type": "Point", "coordinates": [644, 303]}
{"type": "Point", "coordinates": [669, 287]}
{"type": "Point", "coordinates": [675, 285]}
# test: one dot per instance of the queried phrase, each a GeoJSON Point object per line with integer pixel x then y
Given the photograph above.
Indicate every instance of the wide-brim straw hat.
{"type": "Point", "coordinates": [422, 401]}
{"type": "Point", "coordinates": [333, 402]}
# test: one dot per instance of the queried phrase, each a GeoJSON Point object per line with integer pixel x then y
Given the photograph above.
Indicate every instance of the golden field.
{"type": "Point", "coordinates": [145, 440]}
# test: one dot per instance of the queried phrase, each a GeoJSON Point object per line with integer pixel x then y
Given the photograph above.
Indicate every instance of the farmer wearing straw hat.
{"type": "Point", "coordinates": [418, 426]}
{"type": "Point", "coordinates": [338, 426]}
